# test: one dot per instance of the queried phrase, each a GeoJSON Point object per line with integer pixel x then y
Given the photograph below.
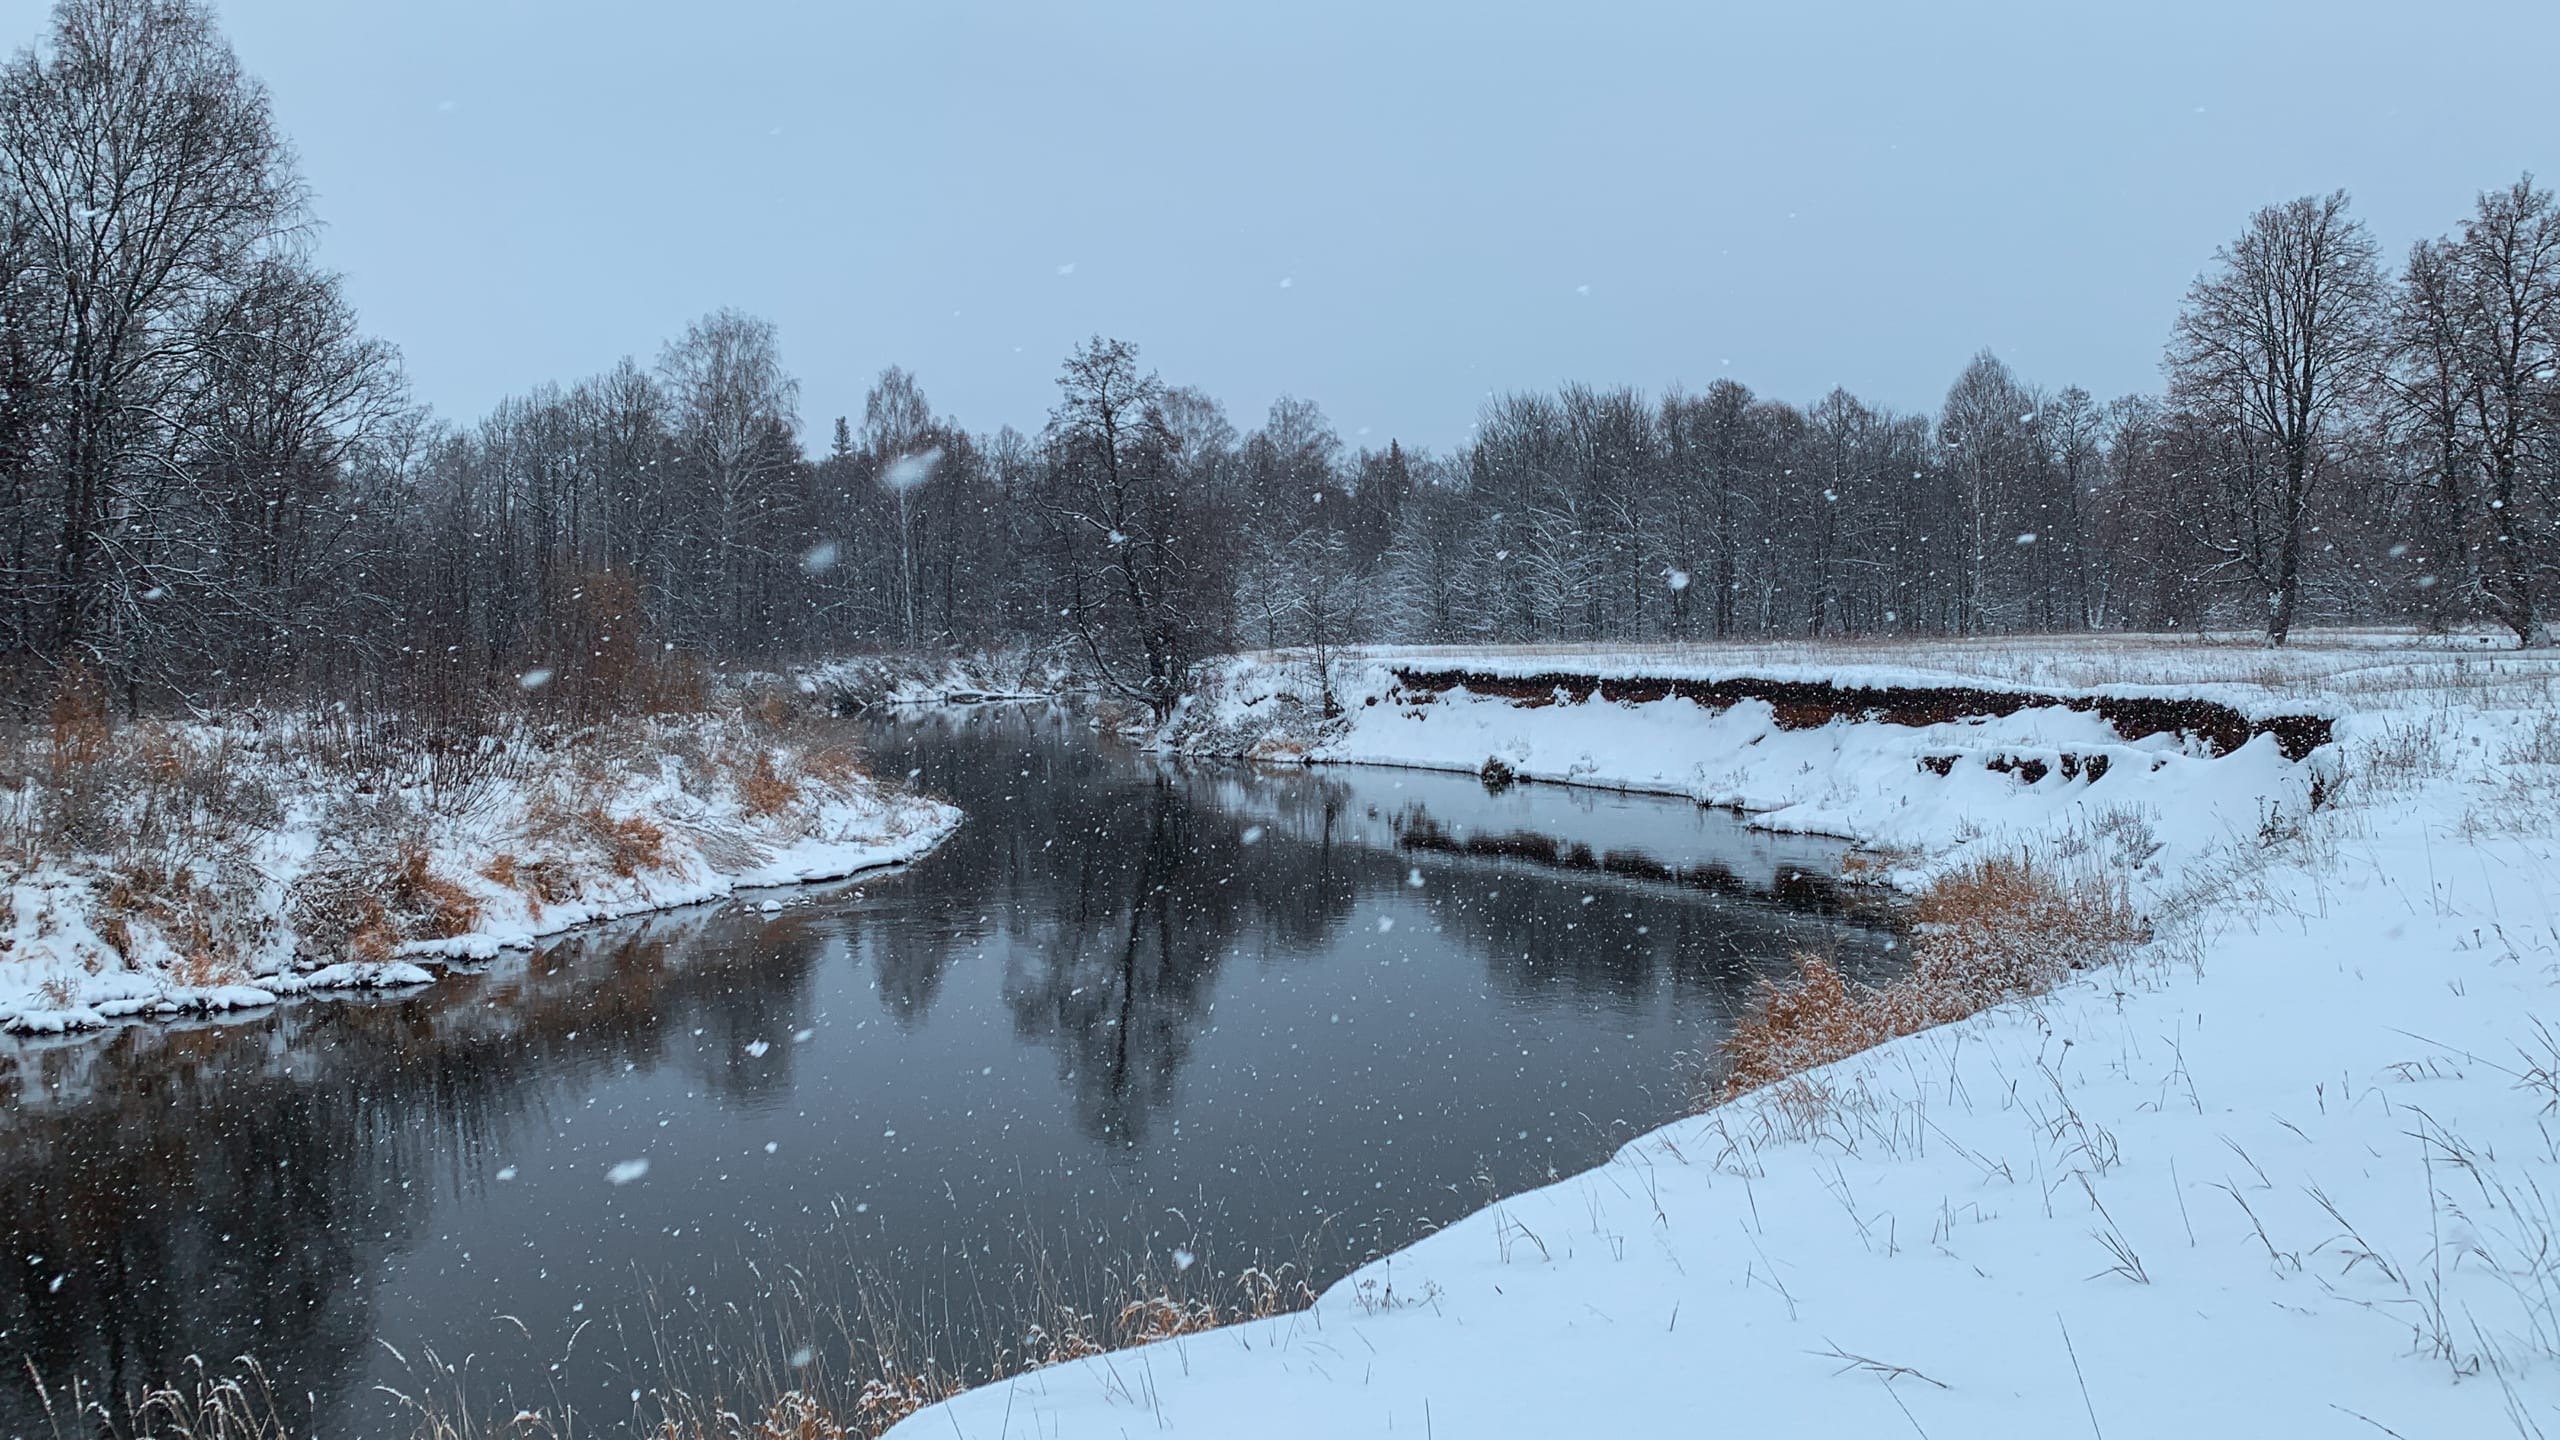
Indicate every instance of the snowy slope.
{"type": "Point", "coordinates": [1925, 795]}
{"type": "Point", "coordinates": [216, 912]}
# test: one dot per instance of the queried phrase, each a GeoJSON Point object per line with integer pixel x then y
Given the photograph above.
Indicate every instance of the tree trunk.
{"type": "Point", "coordinates": [2514, 597]}
{"type": "Point", "coordinates": [2288, 588]}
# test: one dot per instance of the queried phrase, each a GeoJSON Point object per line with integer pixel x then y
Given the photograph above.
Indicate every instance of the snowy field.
{"type": "Point", "coordinates": [2290, 1169]}
{"type": "Point", "coordinates": [218, 866]}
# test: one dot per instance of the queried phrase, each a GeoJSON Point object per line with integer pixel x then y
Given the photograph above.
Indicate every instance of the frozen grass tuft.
{"type": "Point", "coordinates": [1993, 930]}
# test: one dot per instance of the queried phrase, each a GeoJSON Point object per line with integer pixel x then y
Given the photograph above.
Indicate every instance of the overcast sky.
{"type": "Point", "coordinates": [1391, 209]}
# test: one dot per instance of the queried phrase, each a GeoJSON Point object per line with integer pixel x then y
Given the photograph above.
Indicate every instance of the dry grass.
{"type": "Point", "coordinates": [210, 851]}
{"type": "Point", "coordinates": [825, 1358]}
{"type": "Point", "coordinates": [77, 720]}
{"type": "Point", "coordinates": [364, 897]}
{"type": "Point", "coordinates": [205, 1405]}
{"type": "Point", "coordinates": [845, 1352]}
{"type": "Point", "coordinates": [761, 791]}
{"type": "Point", "coordinates": [631, 845]}
{"type": "Point", "coordinates": [434, 907]}
{"type": "Point", "coordinates": [832, 764]}
{"type": "Point", "coordinates": [1995, 930]}
{"type": "Point", "coordinates": [542, 882]}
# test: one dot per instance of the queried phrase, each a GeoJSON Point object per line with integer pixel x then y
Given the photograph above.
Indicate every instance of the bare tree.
{"type": "Point", "coordinates": [2507, 289]}
{"type": "Point", "coordinates": [2431, 392]}
{"type": "Point", "coordinates": [1132, 536]}
{"type": "Point", "coordinates": [734, 411]}
{"type": "Point", "coordinates": [257, 546]}
{"type": "Point", "coordinates": [2280, 341]}
{"type": "Point", "coordinates": [145, 179]}
{"type": "Point", "coordinates": [897, 424]}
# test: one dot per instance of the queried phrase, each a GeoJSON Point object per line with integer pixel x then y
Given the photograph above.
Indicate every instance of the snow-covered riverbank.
{"type": "Point", "coordinates": [1924, 764]}
{"type": "Point", "coordinates": [852, 682]}
{"type": "Point", "coordinates": [165, 868]}
{"type": "Point", "coordinates": [2289, 1168]}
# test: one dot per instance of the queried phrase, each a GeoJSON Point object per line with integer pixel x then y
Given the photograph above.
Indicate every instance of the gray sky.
{"type": "Point", "coordinates": [1391, 209]}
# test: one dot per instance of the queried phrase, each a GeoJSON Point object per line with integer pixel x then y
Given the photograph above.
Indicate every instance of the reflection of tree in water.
{"type": "Point", "coordinates": [1126, 954]}
{"type": "Point", "coordinates": [234, 1190]}
{"type": "Point", "coordinates": [175, 1216]}
{"type": "Point", "coordinates": [909, 959]}
{"type": "Point", "coordinates": [1117, 896]}
{"type": "Point", "coordinates": [1119, 902]}
{"type": "Point", "coordinates": [1142, 912]}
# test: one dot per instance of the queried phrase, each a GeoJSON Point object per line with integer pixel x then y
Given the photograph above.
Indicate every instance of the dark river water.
{"type": "Point", "coordinates": [1136, 1026]}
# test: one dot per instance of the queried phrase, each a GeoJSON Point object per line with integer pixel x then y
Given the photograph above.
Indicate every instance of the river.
{"type": "Point", "coordinates": [1138, 1025]}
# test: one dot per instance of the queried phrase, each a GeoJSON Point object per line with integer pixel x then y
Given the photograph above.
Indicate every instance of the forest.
{"type": "Point", "coordinates": [218, 486]}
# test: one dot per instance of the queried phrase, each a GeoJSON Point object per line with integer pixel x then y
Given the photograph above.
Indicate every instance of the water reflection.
{"type": "Point", "coordinates": [1230, 1006]}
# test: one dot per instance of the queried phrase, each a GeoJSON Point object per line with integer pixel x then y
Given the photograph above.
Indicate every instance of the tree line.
{"type": "Point", "coordinates": [218, 484]}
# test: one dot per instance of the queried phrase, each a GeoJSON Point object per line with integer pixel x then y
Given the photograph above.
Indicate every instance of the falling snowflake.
{"type": "Point", "coordinates": [627, 1171]}
{"type": "Point", "coordinates": [909, 471]}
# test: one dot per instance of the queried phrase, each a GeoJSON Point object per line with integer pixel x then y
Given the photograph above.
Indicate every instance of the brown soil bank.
{"type": "Point", "coordinates": [1805, 704]}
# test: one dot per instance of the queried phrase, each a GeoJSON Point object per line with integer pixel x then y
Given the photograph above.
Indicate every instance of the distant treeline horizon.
{"type": "Point", "coordinates": [218, 484]}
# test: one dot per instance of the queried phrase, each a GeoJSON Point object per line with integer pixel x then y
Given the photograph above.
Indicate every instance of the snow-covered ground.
{"type": "Point", "coordinates": [2291, 1169]}
{"type": "Point", "coordinates": [220, 866]}
{"type": "Point", "coordinates": [913, 679]}
{"type": "Point", "coordinates": [1922, 797]}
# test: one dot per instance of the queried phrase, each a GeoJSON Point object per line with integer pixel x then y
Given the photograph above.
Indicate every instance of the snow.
{"type": "Point", "coordinates": [355, 975]}
{"type": "Point", "coordinates": [927, 680]}
{"type": "Point", "coordinates": [2288, 1170]}
{"type": "Point", "coordinates": [1877, 784]}
{"type": "Point", "coordinates": [71, 960]}
{"type": "Point", "coordinates": [909, 471]}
